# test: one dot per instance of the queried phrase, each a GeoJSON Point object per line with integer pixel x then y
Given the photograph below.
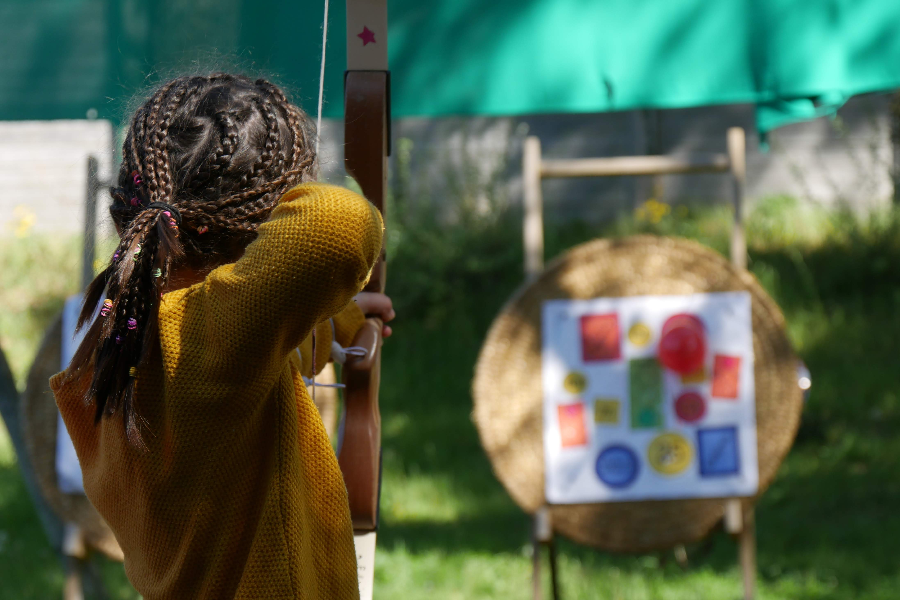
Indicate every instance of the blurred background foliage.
{"type": "Point", "coordinates": [827, 528]}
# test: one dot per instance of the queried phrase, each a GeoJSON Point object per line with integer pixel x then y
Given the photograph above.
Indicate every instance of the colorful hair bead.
{"type": "Point", "coordinates": [136, 177]}
{"type": "Point", "coordinates": [118, 339]}
{"type": "Point", "coordinates": [137, 252]}
{"type": "Point", "coordinates": [116, 255]}
{"type": "Point", "coordinates": [135, 201]}
{"type": "Point", "coordinates": [157, 272]}
{"type": "Point", "coordinates": [172, 222]}
{"type": "Point", "coordinates": [132, 372]}
{"type": "Point", "coordinates": [132, 324]}
{"type": "Point", "coordinates": [107, 306]}
{"type": "Point", "coordinates": [202, 229]}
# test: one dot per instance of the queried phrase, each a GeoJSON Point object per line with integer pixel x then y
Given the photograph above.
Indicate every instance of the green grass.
{"type": "Point", "coordinates": [28, 567]}
{"type": "Point", "coordinates": [827, 528]}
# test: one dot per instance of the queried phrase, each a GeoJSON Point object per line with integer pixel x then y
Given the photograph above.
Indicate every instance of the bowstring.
{"type": "Point", "coordinates": [322, 78]}
{"type": "Point", "coordinates": [318, 137]}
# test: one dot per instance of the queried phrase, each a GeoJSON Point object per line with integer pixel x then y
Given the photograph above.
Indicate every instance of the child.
{"type": "Point", "coordinates": [197, 439]}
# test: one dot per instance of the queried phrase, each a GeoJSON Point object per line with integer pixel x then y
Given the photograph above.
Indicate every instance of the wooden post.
{"type": "Point", "coordinates": [735, 520]}
{"type": "Point", "coordinates": [618, 166]}
{"type": "Point", "coordinates": [75, 553]}
{"type": "Point", "coordinates": [73, 588]}
{"type": "Point", "coordinates": [9, 412]}
{"type": "Point", "coordinates": [536, 592]}
{"type": "Point", "coordinates": [554, 577]}
{"type": "Point", "coordinates": [734, 517]}
{"type": "Point", "coordinates": [653, 146]}
{"type": "Point", "coordinates": [542, 535]}
{"type": "Point", "coordinates": [533, 224]}
{"type": "Point", "coordinates": [747, 550]}
{"type": "Point", "coordinates": [743, 525]}
{"type": "Point", "coordinates": [90, 222]}
{"type": "Point", "coordinates": [737, 155]}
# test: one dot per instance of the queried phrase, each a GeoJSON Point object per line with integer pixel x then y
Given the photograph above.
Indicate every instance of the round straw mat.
{"type": "Point", "coordinates": [39, 421]}
{"type": "Point", "coordinates": [508, 393]}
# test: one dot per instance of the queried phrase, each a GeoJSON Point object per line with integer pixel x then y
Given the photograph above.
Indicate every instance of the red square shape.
{"type": "Point", "coordinates": [726, 376]}
{"type": "Point", "coordinates": [600, 337]}
{"type": "Point", "coordinates": [572, 430]}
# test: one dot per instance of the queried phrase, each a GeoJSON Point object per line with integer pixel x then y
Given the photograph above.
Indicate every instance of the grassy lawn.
{"type": "Point", "coordinates": [827, 528]}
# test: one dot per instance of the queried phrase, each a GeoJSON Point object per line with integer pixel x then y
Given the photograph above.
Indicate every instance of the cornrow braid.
{"type": "Point", "coordinates": [204, 161]}
{"type": "Point", "coordinates": [272, 146]}
{"type": "Point", "coordinates": [297, 121]}
{"type": "Point", "coordinates": [160, 179]}
{"type": "Point", "coordinates": [146, 147]}
{"type": "Point", "coordinates": [225, 153]}
{"type": "Point", "coordinates": [209, 174]}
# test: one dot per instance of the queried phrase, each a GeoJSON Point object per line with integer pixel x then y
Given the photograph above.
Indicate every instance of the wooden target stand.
{"type": "Point", "coordinates": [738, 522]}
{"type": "Point", "coordinates": [59, 515]}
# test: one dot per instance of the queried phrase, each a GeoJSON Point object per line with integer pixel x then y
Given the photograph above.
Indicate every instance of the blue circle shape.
{"type": "Point", "coordinates": [617, 466]}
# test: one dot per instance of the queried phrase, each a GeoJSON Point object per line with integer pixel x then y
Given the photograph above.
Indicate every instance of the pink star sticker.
{"type": "Point", "coordinates": [366, 36]}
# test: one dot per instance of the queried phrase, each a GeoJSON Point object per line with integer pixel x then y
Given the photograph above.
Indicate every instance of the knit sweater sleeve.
{"type": "Point", "coordinates": [313, 255]}
{"type": "Point", "coordinates": [342, 328]}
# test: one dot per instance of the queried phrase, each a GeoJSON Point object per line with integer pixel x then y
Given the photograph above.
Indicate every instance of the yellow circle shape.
{"type": "Point", "coordinates": [669, 454]}
{"type": "Point", "coordinates": [575, 382]}
{"type": "Point", "coordinates": [639, 334]}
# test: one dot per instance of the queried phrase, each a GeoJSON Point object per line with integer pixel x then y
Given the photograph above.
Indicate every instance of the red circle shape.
{"type": "Point", "coordinates": [682, 345]}
{"type": "Point", "coordinates": [690, 407]}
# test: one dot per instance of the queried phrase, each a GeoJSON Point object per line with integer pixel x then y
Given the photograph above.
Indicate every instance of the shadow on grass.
{"type": "Point", "coordinates": [21, 535]}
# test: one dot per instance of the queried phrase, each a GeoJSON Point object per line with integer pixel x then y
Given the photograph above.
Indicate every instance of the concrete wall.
{"type": "Point", "coordinates": [847, 160]}
{"type": "Point", "coordinates": [43, 173]}
{"type": "Point", "coordinates": [828, 162]}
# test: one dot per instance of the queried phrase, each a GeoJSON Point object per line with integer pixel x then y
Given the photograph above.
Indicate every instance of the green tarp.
{"type": "Point", "coordinates": [795, 58]}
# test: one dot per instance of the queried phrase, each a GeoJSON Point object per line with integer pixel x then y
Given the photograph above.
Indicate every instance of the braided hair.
{"type": "Point", "coordinates": [204, 162]}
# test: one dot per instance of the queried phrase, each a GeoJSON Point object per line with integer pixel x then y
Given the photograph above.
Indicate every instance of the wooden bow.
{"type": "Point", "coordinates": [366, 148]}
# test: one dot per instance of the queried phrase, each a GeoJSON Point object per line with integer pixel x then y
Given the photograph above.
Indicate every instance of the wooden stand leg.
{"type": "Point", "coordinates": [536, 569]}
{"type": "Point", "coordinates": [75, 553]}
{"type": "Point", "coordinates": [681, 556]}
{"type": "Point", "coordinates": [747, 541]}
{"type": "Point", "coordinates": [542, 535]}
{"type": "Point", "coordinates": [737, 157]}
{"type": "Point", "coordinates": [533, 222]}
{"type": "Point", "coordinates": [73, 588]}
{"type": "Point", "coordinates": [743, 525]}
{"type": "Point", "coordinates": [554, 581]}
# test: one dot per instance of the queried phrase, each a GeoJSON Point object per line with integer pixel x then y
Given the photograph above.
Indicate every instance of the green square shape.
{"type": "Point", "coordinates": [645, 381]}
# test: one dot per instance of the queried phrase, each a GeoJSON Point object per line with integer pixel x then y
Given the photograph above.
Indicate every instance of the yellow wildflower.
{"type": "Point", "coordinates": [25, 220]}
{"type": "Point", "coordinates": [652, 211]}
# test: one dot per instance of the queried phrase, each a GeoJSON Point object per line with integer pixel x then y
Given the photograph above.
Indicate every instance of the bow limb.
{"type": "Point", "coordinates": [366, 147]}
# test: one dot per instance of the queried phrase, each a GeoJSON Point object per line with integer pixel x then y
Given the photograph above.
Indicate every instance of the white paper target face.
{"type": "Point", "coordinates": [649, 398]}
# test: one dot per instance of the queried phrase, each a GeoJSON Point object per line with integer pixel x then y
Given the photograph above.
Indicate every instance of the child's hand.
{"type": "Point", "coordinates": [378, 305]}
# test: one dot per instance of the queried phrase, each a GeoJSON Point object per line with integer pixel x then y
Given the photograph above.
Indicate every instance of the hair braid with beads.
{"type": "Point", "coordinates": [221, 150]}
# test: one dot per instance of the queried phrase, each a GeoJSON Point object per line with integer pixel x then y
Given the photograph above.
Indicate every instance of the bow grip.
{"type": "Point", "coordinates": [360, 456]}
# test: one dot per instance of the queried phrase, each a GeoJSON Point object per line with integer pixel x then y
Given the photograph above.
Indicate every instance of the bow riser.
{"type": "Point", "coordinates": [365, 158]}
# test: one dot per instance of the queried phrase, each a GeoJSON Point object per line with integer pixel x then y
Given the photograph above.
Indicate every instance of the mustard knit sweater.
{"type": "Point", "coordinates": [240, 494]}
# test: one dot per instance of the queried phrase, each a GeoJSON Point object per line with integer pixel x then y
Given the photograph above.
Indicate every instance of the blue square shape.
{"type": "Point", "coordinates": [718, 451]}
